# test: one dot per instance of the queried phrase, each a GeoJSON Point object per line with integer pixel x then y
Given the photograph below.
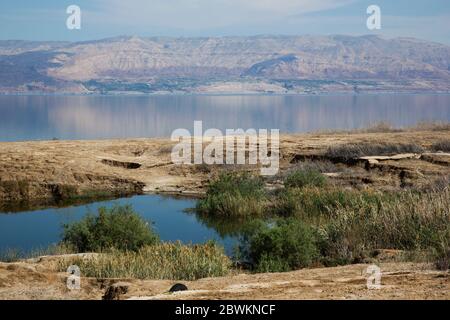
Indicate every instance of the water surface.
{"type": "Point", "coordinates": [31, 230]}
{"type": "Point", "coordinates": [94, 117]}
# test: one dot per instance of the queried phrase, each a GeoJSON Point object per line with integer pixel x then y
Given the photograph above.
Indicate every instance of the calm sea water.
{"type": "Point", "coordinates": [94, 117]}
{"type": "Point", "coordinates": [32, 230]}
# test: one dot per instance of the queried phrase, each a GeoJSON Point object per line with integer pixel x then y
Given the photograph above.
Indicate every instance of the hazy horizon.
{"type": "Point", "coordinates": [226, 36]}
{"type": "Point", "coordinates": [101, 19]}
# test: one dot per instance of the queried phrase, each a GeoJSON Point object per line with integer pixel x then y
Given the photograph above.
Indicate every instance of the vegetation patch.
{"type": "Point", "coordinates": [408, 222]}
{"type": "Point", "coordinates": [279, 246]}
{"type": "Point", "coordinates": [443, 145]}
{"type": "Point", "coordinates": [119, 227]}
{"type": "Point", "coordinates": [347, 226]}
{"type": "Point", "coordinates": [14, 255]}
{"type": "Point", "coordinates": [305, 178]}
{"type": "Point", "coordinates": [63, 192]}
{"type": "Point", "coordinates": [234, 194]}
{"type": "Point", "coordinates": [353, 151]}
{"type": "Point", "coordinates": [16, 189]}
{"type": "Point", "coordinates": [164, 261]}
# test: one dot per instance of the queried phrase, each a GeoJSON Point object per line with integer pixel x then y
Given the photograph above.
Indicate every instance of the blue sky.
{"type": "Point", "coordinates": [45, 19]}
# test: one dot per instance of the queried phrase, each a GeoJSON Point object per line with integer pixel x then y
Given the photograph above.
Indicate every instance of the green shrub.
{"type": "Point", "coordinates": [165, 261]}
{"type": "Point", "coordinates": [119, 227]}
{"type": "Point", "coordinates": [234, 195]}
{"type": "Point", "coordinates": [285, 245]}
{"type": "Point", "coordinates": [305, 178]}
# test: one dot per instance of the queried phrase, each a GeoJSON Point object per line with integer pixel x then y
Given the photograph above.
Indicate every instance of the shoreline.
{"type": "Point", "coordinates": [67, 170]}
{"type": "Point", "coordinates": [268, 94]}
{"type": "Point", "coordinates": [36, 280]}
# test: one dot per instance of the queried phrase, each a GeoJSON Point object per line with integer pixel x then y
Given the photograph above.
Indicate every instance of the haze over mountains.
{"type": "Point", "coordinates": [275, 64]}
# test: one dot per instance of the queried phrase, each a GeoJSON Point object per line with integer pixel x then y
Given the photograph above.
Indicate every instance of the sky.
{"type": "Point", "coordinates": [46, 19]}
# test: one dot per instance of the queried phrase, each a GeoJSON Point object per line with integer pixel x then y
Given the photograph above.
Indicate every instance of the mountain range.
{"type": "Point", "coordinates": [258, 64]}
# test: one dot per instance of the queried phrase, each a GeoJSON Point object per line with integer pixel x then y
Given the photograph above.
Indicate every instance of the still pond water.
{"type": "Point", "coordinates": [32, 230]}
{"type": "Point", "coordinates": [102, 117]}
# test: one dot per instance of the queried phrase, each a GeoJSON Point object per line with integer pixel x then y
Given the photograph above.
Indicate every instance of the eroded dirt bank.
{"type": "Point", "coordinates": [37, 280]}
{"type": "Point", "coordinates": [46, 171]}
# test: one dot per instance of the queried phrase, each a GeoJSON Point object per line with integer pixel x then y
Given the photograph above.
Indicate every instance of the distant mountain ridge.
{"type": "Point", "coordinates": [279, 64]}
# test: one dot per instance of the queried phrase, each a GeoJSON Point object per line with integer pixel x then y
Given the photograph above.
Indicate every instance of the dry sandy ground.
{"type": "Point", "coordinates": [57, 170]}
{"type": "Point", "coordinates": [36, 280]}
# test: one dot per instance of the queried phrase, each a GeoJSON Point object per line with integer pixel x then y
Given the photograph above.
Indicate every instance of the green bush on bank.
{"type": "Point", "coordinates": [284, 245]}
{"type": "Point", "coordinates": [119, 227]}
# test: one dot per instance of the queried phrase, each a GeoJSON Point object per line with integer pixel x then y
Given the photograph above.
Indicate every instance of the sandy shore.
{"type": "Point", "coordinates": [38, 280]}
{"type": "Point", "coordinates": [44, 171]}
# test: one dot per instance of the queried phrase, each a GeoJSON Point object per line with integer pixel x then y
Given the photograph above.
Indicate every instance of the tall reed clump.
{"type": "Point", "coordinates": [165, 261]}
{"type": "Point", "coordinates": [234, 194]}
{"type": "Point", "coordinates": [307, 194]}
{"type": "Point", "coordinates": [407, 222]}
{"type": "Point", "coordinates": [342, 227]}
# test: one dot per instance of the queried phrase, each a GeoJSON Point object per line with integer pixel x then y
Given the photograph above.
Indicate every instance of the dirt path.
{"type": "Point", "coordinates": [399, 281]}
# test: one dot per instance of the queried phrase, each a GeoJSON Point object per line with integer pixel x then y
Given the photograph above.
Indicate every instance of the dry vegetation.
{"type": "Point", "coordinates": [165, 261]}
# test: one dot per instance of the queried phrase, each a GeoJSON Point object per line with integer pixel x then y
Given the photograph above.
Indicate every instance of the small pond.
{"type": "Point", "coordinates": [31, 230]}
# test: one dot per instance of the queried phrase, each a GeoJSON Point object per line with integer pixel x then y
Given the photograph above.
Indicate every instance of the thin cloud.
{"type": "Point", "coordinates": [201, 14]}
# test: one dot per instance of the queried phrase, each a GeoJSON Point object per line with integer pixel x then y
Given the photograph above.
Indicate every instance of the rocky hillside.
{"type": "Point", "coordinates": [274, 63]}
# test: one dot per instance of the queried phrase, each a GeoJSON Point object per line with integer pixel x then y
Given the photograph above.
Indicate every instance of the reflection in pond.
{"type": "Point", "coordinates": [224, 226]}
{"type": "Point", "coordinates": [31, 230]}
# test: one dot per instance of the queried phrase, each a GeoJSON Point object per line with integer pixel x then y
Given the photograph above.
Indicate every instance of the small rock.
{"type": "Point", "coordinates": [178, 287]}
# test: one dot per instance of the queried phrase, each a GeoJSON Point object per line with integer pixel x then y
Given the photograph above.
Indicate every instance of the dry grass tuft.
{"type": "Point", "coordinates": [166, 261]}
{"type": "Point", "coordinates": [443, 145]}
{"type": "Point", "coordinates": [352, 151]}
